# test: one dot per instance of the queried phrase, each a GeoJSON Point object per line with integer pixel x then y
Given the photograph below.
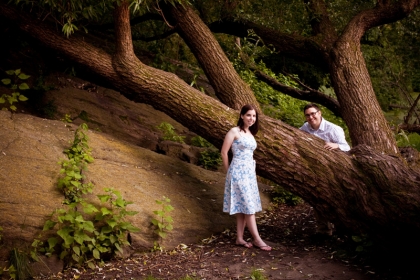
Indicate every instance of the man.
{"type": "Point", "coordinates": [315, 124]}
{"type": "Point", "coordinates": [334, 138]}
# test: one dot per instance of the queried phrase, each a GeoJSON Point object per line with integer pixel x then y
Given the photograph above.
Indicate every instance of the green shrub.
{"type": "Point", "coordinates": [169, 133]}
{"type": "Point", "coordinates": [210, 159]}
{"type": "Point", "coordinates": [282, 196]}
{"type": "Point", "coordinates": [84, 234]}
{"type": "Point", "coordinates": [15, 83]}
{"type": "Point", "coordinates": [199, 141]}
{"type": "Point", "coordinates": [408, 140]}
{"type": "Point", "coordinates": [163, 222]}
{"type": "Point", "coordinates": [257, 274]}
{"type": "Point", "coordinates": [72, 182]}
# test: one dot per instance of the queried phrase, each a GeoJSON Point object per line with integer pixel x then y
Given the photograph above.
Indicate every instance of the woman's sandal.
{"type": "Point", "coordinates": [263, 248]}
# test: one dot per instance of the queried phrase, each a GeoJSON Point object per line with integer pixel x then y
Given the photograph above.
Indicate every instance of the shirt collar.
{"type": "Point", "coordinates": [321, 125]}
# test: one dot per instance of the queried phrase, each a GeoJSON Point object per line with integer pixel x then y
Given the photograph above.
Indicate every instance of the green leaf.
{"type": "Point", "coordinates": [89, 226]}
{"type": "Point", "coordinates": [80, 237]}
{"type": "Point", "coordinates": [64, 233]}
{"type": "Point", "coordinates": [52, 241]}
{"type": "Point", "coordinates": [79, 218]}
{"type": "Point", "coordinates": [120, 202]}
{"type": "Point", "coordinates": [2, 100]}
{"type": "Point", "coordinates": [75, 183]}
{"type": "Point", "coordinates": [13, 107]}
{"type": "Point", "coordinates": [168, 208]}
{"type": "Point", "coordinates": [96, 254]}
{"type": "Point", "coordinates": [17, 72]}
{"type": "Point", "coordinates": [356, 238]}
{"type": "Point", "coordinates": [106, 230]}
{"type": "Point", "coordinates": [10, 72]}
{"type": "Point", "coordinates": [113, 239]}
{"type": "Point", "coordinates": [63, 254]}
{"type": "Point", "coordinates": [132, 228]}
{"type": "Point", "coordinates": [23, 86]}
{"type": "Point", "coordinates": [89, 209]}
{"type": "Point", "coordinates": [119, 248]}
{"type": "Point", "coordinates": [48, 225]}
{"type": "Point", "coordinates": [112, 223]}
{"type": "Point", "coordinates": [359, 248]}
{"type": "Point", "coordinates": [105, 211]}
{"type": "Point", "coordinates": [131, 213]}
{"type": "Point", "coordinates": [91, 265]}
{"type": "Point", "coordinates": [76, 249]}
{"type": "Point", "coordinates": [23, 76]}
{"type": "Point", "coordinates": [103, 198]}
{"type": "Point", "coordinates": [6, 81]}
{"type": "Point", "coordinates": [75, 257]}
{"type": "Point", "coordinates": [22, 98]}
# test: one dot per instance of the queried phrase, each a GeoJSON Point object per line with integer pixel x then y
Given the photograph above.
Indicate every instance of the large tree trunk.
{"type": "Point", "coordinates": [366, 191]}
{"type": "Point", "coordinates": [360, 108]}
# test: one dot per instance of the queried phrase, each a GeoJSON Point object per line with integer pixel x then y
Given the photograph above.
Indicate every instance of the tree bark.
{"type": "Point", "coordinates": [229, 88]}
{"type": "Point", "coordinates": [365, 191]}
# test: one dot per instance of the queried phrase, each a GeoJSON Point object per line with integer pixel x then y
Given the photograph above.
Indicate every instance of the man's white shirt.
{"type": "Point", "coordinates": [328, 132]}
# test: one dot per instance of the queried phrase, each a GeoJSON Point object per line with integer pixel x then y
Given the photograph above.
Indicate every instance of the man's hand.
{"type": "Point", "coordinates": [331, 146]}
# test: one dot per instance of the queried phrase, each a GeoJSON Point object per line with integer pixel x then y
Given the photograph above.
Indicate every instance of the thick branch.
{"type": "Point", "coordinates": [384, 12]}
{"type": "Point", "coordinates": [123, 42]}
{"type": "Point", "coordinates": [229, 87]}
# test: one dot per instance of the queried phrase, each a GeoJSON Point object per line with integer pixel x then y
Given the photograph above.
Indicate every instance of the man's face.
{"type": "Point", "coordinates": [313, 117]}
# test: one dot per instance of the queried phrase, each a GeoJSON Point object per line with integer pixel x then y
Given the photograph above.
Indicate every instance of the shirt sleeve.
{"type": "Point", "coordinates": [340, 139]}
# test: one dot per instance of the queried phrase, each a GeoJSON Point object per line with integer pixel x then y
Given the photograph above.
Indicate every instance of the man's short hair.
{"type": "Point", "coordinates": [311, 105]}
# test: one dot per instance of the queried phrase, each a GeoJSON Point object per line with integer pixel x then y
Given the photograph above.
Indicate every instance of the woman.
{"type": "Point", "coordinates": [241, 189]}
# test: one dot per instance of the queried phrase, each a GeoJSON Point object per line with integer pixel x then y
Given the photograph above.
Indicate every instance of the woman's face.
{"type": "Point", "coordinates": [249, 118]}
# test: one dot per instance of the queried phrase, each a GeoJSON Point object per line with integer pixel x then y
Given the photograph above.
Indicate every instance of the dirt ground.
{"type": "Point", "coordinates": [297, 254]}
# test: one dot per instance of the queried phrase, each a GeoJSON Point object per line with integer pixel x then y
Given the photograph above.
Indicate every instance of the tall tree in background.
{"type": "Point", "coordinates": [372, 191]}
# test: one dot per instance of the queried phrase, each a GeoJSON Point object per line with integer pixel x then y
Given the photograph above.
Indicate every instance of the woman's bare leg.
{"type": "Point", "coordinates": [251, 223]}
{"type": "Point", "coordinates": [240, 229]}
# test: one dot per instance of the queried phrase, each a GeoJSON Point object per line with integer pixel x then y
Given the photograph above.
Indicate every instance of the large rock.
{"type": "Point", "coordinates": [30, 148]}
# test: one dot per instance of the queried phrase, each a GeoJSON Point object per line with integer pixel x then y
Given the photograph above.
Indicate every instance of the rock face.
{"type": "Point", "coordinates": [122, 136]}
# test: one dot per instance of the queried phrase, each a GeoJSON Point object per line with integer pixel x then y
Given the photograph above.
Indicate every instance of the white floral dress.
{"type": "Point", "coordinates": [241, 188]}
